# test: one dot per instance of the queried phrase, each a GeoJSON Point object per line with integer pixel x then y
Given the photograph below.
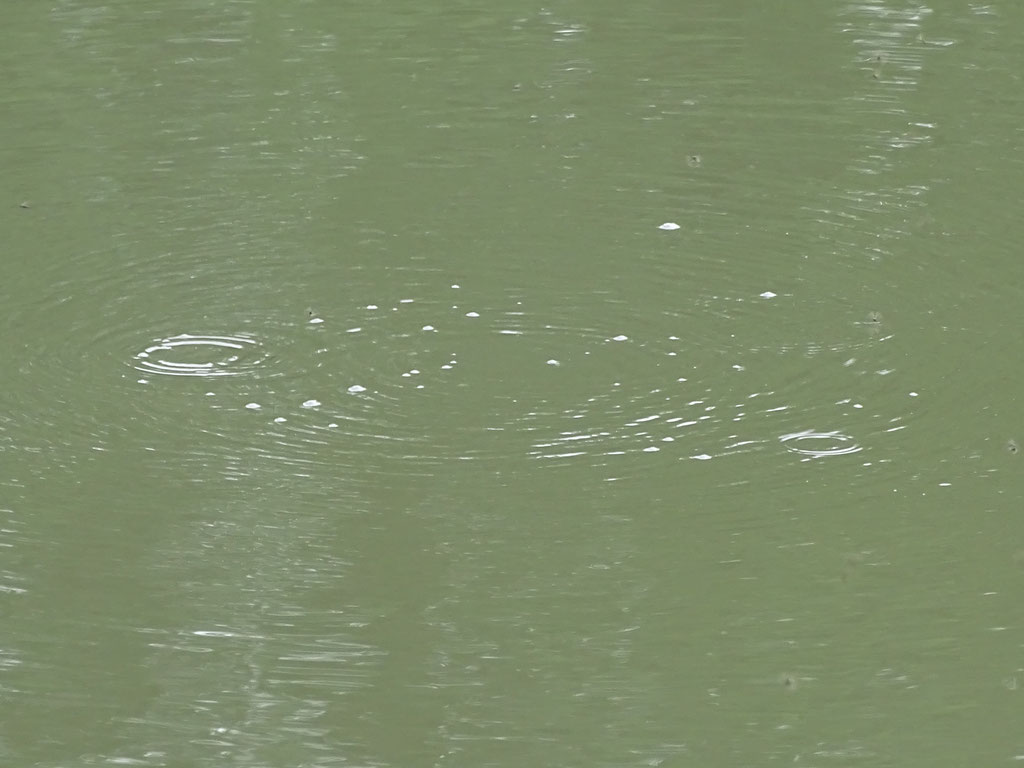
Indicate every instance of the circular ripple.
{"type": "Point", "coordinates": [207, 356]}
{"type": "Point", "coordinates": [819, 444]}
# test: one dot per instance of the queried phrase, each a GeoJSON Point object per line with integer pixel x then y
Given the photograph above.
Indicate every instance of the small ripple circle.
{"type": "Point", "coordinates": [201, 355]}
{"type": "Point", "coordinates": [820, 444]}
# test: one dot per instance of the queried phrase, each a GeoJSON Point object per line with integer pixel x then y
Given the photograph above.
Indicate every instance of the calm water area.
{"type": "Point", "coordinates": [505, 385]}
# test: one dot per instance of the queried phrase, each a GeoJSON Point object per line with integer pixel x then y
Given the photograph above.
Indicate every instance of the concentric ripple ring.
{"type": "Point", "coordinates": [819, 444]}
{"type": "Point", "coordinates": [188, 355]}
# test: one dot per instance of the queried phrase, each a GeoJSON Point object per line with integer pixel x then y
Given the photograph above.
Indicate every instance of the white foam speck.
{"type": "Point", "coordinates": [472, 314]}
{"type": "Point", "coordinates": [355, 388]}
{"type": "Point", "coordinates": [332, 425]}
{"type": "Point", "coordinates": [253, 406]}
{"type": "Point", "coordinates": [668, 226]}
{"type": "Point", "coordinates": [620, 337]}
{"type": "Point", "coordinates": [651, 449]}
{"type": "Point", "coordinates": [913, 394]}
{"type": "Point", "coordinates": [768, 295]}
{"type": "Point", "coordinates": [428, 328]}
{"type": "Point", "coordinates": [280, 420]}
{"type": "Point", "coordinates": [353, 330]}
{"type": "Point", "coordinates": [456, 285]}
{"type": "Point", "coordinates": [553, 362]}
{"type": "Point", "coordinates": [446, 367]}
{"type": "Point", "coordinates": [315, 320]}
{"type": "Point", "coordinates": [311, 404]}
{"type": "Point", "coordinates": [701, 457]}
{"type": "Point", "coordinates": [372, 306]}
{"type": "Point", "coordinates": [405, 301]}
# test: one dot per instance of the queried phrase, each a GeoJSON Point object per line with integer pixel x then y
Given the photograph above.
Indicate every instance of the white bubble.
{"type": "Point", "coordinates": [405, 301]}
{"type": "Point", "coordinates": [456, 285]}
{"type": "Point", "coordinates": [553, 362]}
{"type": "Point", "coordinates": [668, 226]}
{"type": "Point", "coordinates": [428, 328]}
{"type": "Point", "coordinates": [651, 449]}
{"type": "Point", "coordinates": [280, 420]}
{"type": "Point", "coordinates": [768, 295]}
{"type": "Point", "coordinates": [353, 330]}
{"type": "Point", "coordinates": [372, 306]}
{"type": "Point", "coordinates": [355, 388]}
{"type": "Point", "coordinates": [472, 314]}
{"type": "Point", "coordinates": [332, 425]}
{"type": "Point", "coordinates": [316, 320]}
{"type": "Point", "coordinates": [253, 406]}
{"type": "Point", "coordinates": [311, 404]}
{"type": "Point", "coordinates": [620, 337]}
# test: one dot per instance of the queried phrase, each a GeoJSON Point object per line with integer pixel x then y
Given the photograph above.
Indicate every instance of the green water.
{"type": "Point", "coordinates": [462, 385]}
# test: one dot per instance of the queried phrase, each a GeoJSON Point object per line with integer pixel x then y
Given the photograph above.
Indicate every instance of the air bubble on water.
{"type": "Point", "coordinates": [280, 420]}
{"type": "Point", "coordinates": [456, 285]}
{"type": "Point", "coordinates": [253, 406]}
{"type": "Point", "coordinates": [620, 337]}
{"type": "Point", "coordinates": [668, 226]}
{"type": "Point", "coordinates": [428, 328]}
{"type": "Point", "coordinates": [316, 320]}
{"type": "Point", "coordinates": [472, 314]}
{"type": "Point", "coordinates": [311, 404]}
{"type": "Point", "coordinates": [356, 388]}
{"type": "Point", "coordinates": [405, 301]}
{"type": "Point", "coordinates": [553, 362]}
{"type": "Point", "coordinates": [372, 306]}
{"type": "Point", "coordinates": [357, 329]}
{"type": "Point", "coordinates": [651, 449]}
{"type": "Point", "coordinates": [768, 295]}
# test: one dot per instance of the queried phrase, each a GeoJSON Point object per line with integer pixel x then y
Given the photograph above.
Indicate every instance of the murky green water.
{"type": "Point", "coordinates": [406, 385]}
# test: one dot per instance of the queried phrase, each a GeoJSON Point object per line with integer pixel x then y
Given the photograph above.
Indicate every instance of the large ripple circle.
{"type": "Point", "coordinates": [207, 356]}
